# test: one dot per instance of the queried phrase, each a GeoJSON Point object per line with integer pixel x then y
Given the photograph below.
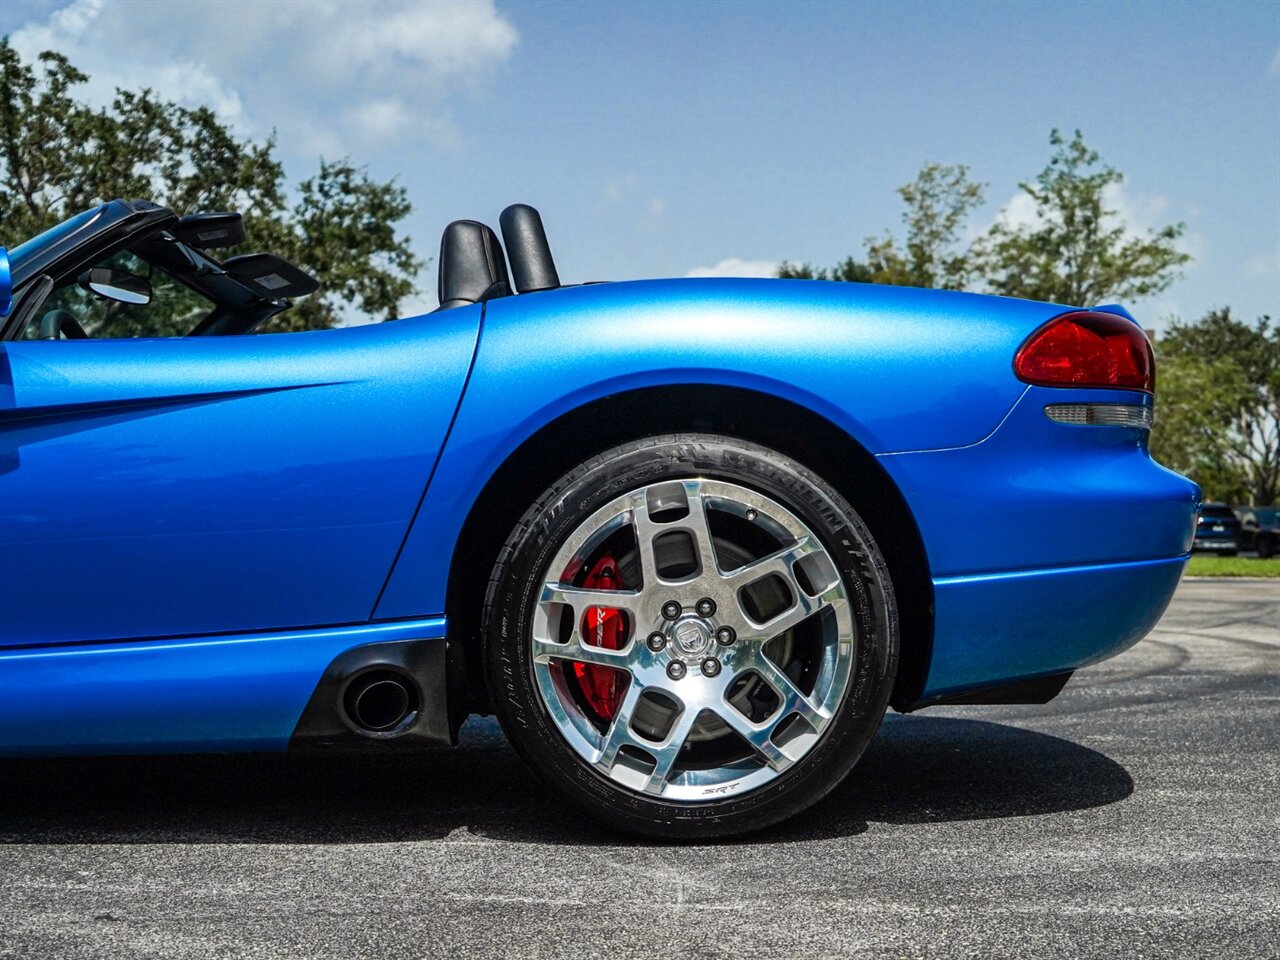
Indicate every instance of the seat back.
{"type": "Point", "coordinates": [472, 267]}
{"type": "Point", "coordinates": [527, 246]}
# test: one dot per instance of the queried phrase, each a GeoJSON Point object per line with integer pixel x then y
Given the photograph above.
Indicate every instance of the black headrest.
{"type": "Point", "coordinates": [472, 268]}
{"type": "Point", "coordinates": [527, 246]}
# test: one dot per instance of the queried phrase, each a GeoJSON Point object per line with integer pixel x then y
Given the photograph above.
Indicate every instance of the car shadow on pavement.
{"type": "Point", "coordinates": [919, 769]}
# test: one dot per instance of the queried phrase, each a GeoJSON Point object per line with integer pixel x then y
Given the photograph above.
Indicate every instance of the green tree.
{"type": "Point", "coordinates": [59, 155]}
{"type": "Point", "coordinates": [938, 203]}
{"type": "Point", "coordinates": [1218, 412]}
{"type": "Point", "coordinates": [1077, 251]}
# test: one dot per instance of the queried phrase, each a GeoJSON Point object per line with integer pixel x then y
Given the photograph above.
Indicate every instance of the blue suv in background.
{"type": "Point", "coordinates": [1218, 530]}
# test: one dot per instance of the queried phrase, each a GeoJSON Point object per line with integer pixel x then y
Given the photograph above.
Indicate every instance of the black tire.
{"type": "Point", "coordinates": [1266, 547]}
{"type": "Point", "coordinates": [522, 566]}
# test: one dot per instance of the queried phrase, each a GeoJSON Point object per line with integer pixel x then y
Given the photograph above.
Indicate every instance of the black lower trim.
{"type": "Point", "coordinates": [1039, 690]}
{"type": "Point", "coordinates": [324, 724]}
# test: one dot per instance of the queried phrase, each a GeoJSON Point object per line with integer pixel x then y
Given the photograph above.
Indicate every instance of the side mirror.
{"type": "Point", "coordinates": [117, 285]}
{"type": "Point", "coordinates": [6, 283]}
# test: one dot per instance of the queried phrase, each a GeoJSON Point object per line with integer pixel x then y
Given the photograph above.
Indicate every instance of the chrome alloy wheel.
{"type": "Point", "coordinates": [736, 648]}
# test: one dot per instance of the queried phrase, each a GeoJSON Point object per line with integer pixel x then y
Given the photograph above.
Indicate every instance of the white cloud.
{"type": "Point", "coordinates": [625, 195]}
{"type": "Point", "coordinates": [1264, 264]}
{"type": "Point", "coordinates": [1019, 212]}
{"type": "Point", "coordinates": [382, 117]}
{"type": "Point", "coordinates": [75, 30]}
{"type": "Point", "coordinates": [1141, 213]}
{"type": "Point", "coordinates": [618, 189]}
{"type": "Point", "coordinates": [737, 267]}
{"type": "Point", "coordinates": [323, 74]}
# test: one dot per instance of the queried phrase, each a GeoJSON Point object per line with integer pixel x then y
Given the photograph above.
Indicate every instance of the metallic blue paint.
{"type": "Point", "coordinates": [896, 369]}
{"type": "Point", "coordinates": [1038, 493]}
{"type": "Point", "coordinates": [212, 484]}
{"type": "Point", "coordinates": [239, 692]}
{"type": "Point", "coordinates": [155, 490]}
{"type": "Point", "coordinates": [1031, 623]}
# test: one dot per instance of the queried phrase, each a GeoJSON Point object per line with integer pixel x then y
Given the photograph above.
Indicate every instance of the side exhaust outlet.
{"type": "Point", "coordinates": [389, 696]}
{"type": "Point", "coordinates": [381, 702]}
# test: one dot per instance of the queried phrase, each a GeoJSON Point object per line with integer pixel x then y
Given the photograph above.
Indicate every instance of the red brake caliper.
{"type": "Point", "coordinates": [602, 627]}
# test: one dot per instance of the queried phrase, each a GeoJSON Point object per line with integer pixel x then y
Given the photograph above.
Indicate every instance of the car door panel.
{"type": "Point", "coordinates": [154, 488]}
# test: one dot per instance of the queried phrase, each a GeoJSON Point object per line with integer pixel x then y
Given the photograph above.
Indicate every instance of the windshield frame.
{"type": "Point", "coordinates": [85, 218]}
{"type": "Point", "coordinates": [92, 235]}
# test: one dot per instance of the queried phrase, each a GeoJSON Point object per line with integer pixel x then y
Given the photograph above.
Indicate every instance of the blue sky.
{"type": "Point", "coordinates": [664, 138]}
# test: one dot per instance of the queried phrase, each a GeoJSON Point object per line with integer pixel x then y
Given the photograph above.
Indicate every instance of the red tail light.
{"type": "Point", "coordinates": [1088, 349]}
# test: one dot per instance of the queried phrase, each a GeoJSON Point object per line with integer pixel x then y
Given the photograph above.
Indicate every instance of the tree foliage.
{"type": "Point", "coordinates": [1077, 251]}
{"type": "Point", "coordinates": [1218, 413]}
{"type": "Point", "coordinates": [938, 203]}
{"type": "Point", "coordinates": [59, 155]}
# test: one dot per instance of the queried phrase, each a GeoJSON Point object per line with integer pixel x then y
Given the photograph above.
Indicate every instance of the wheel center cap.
{"type": "Point", "coordinates": [692, 638]}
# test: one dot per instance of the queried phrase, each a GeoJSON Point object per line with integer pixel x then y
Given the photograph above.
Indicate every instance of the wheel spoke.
{"type": "Point", "coordinates": [645, 530]}
{"type": "Point", "coordinates": [619, 734]}
{"type": "Point", "coordinates": [793, 699]}
{"type": "Point", "coordinates": [544, 651]}
{"type": "Point", "coordinates": [798, 613]}
{"type": "Point", "coordinates": [779, 563]}
{"type": "Point", "coordinates": [667, 752]}
{"type": "Point", "coordinates": [582, 599]}
{"type": "Point", "coordinates": [792, 702]}
{"type": "Point", "coordinates": [695, 524]}
{"type": "Point", "coordinates": [759, 736]}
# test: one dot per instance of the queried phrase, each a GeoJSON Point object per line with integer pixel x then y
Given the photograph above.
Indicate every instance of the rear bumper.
{"type": "Point", "coordinates": [996, 627]}
{"type": "Point", "coordinates": [1050, 545]}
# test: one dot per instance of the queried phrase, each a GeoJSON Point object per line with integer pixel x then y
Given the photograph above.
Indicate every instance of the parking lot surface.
{"type": "Point", "coordinates": [1138, 815]}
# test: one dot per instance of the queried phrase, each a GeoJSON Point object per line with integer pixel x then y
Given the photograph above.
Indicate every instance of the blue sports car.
{"type": "Point", "coordinates": [688, 539]}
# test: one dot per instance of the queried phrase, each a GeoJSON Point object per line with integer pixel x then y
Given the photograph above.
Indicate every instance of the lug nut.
{"type": "Point", "coordinates": [706, 607]}
{"type": "Point", "coordinates": [671, 609]}
{"type": "Point", "coordinates": [656, 642]}
{"type": "Point", "coordinates": [675, 670]}
{"type": "Point", "coordinates": [725, 636]}
{"type": "Point", "coordinates": [711, 666]}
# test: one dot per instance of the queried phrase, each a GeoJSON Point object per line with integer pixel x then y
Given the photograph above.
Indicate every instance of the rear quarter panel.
{"type": "Point", "coordinates": [897, 369]}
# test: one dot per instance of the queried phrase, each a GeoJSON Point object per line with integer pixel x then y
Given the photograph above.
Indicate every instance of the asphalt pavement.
{"type": "Point", "coordinates": [1138, 815]}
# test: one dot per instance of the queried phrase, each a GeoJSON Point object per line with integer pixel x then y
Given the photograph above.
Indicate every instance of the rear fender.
{"type": "Point", "coordinates": [896, 369]}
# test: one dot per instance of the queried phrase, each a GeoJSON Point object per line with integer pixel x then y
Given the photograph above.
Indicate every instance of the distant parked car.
{"type": "Point", "coordinates": [1260, 530]}
{"type": "Point", "coordinates": [1218, 530]}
